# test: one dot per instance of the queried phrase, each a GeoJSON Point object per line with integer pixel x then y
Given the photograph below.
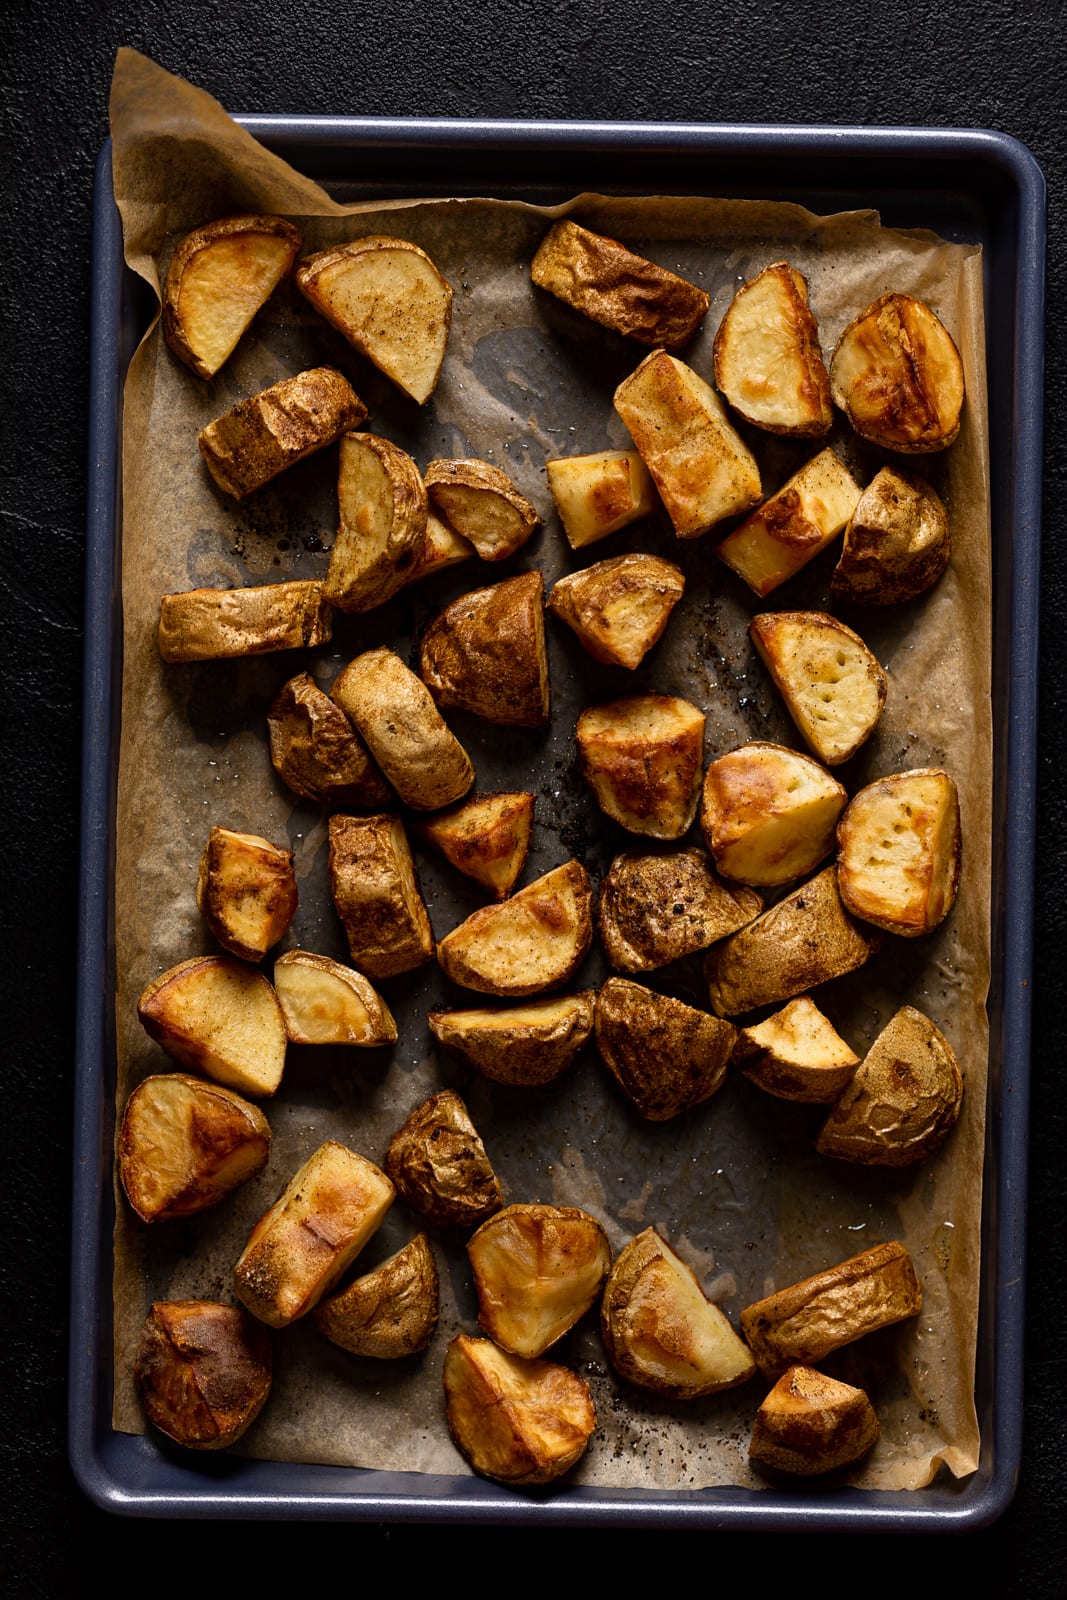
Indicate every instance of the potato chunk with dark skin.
{"type": "Point", "coordinates": [388, 1313]}
{"type": "Point", "coordinates": [665, 1055]}
{"type": "Point", "coordinates": [485, 653]}
{"type": "Point", "coordinates": [203, 1371]}
{"type": "Point", "coordinates": [810, 1424]}
{"type": "Point", "coordinates": [520, 1422]}
{"type": "Point", "coordinates": [317, 752]}
{"type": "Point", "coordinates": [440, 1166]}
{"type": "Point", "coordinates": [654, 909]}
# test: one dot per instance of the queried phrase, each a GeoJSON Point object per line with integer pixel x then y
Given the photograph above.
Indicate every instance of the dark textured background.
{"type": "Point", "coordinates": [998, 65]}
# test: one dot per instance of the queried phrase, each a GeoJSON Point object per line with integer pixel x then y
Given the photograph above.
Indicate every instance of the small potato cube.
{"type": "Point", "coordinates": [485, 653]}
{"type": "Point", "coordinates": [260, 437]}
{"type": "Point", "coordinates": [768, 814]}
{"type": "Point", "coordinates": [406, 734]}
{"type": "Point", "coordinates": [246, 892]}
{"type": "Point", "coordinates": [486, 838]}
{"type": "Point", "coordinates": [666, 1056]}
{"type": "Point", "coordinates": [832, 685]}
{"type": "Point", "coordinates": [793, 526]}
{"type": "Point", "coordinates": [317, 752]}
{"type": "Point", "coordinates": [797, 1055]}
{"type": "Point", "coordinates": [611, 285]}
{"type": "Point", "coordinates": [897, 542]}
{"type": "Point", "coordinates": [185, 1144]}
{"type": "Point", "coordinates": [598, 494]}
{"type": "Point", "coordinates": [483, 505]}
{"type": "Point", "coordinates": [220, 624]}
{"type": "Point", "coordinates": [897, 375]}
{"type": "Point", "coordinates": [537, 940]}
{"type": "Point", "coordinates": [767, 358]}
{"type": "Point", "coordinates": [642, 757]}
{"type": "Point", "coordinates": [537, 1270]}
{"type": "Point", "coordinates": [382, 508]}
{"type": "Point", "coordinates": [810, 1424]}
{"type": "Point", "coordinates": [219, 277]}
{"type": "Point", "coordinates": [524, 1046]}
{"type": "Point", "coordinates": [218, 1015]}
{"type": "Point", "coordinates": [619, 608]}
{"type": "Point", "coordinates": [520, 1422]}
{"type": "Point", "coordinates": [377, 896]}
{"type": "Point", "coordinates": [390, 1312]}
{"type": "Point", "coordinates": [203, 1371]}
{"type": "Point", "coordinates": [656, 908]}
{"type": "Point", "coordinates": [326, 1003]}
{"type": "Point", "coordinates": [899, 851]}
{"type": "Point", "coordinates": [439, 1164]}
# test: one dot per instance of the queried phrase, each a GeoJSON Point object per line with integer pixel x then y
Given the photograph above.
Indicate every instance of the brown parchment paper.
{"type": "Point", "coordinates": [735, 1185]}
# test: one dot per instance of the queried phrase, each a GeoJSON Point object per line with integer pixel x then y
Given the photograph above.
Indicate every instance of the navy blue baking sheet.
{"type": "Point", "coordinates": [971, 185]}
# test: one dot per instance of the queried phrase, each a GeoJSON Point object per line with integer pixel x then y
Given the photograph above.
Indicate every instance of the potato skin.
{"type": "Point", "coordinates": [522, 1046]}
{"type": "Point", "coordinates": [898, 376]}
{"type": "Point", "coordinates": [810, 1424]}
{"type": "Point", "coordinates": [203, 1371]}
{"type": "Point", "coordinates": [485, 653]}
{"type": "Point", "coordinates": [665, 1055]}
{"type": "Point", "coordinates": [185, 1145]}
{"type": "Point", "coordinates": [439, 1165]}
{"type": "Point", "coordinates": [376, 895]}
{"type": "Point", "coordinates": [382, 523]}
{"type": "Point", "coordinates": [523, 1423]}
{"type": "Point", "coordinates": [407, 735]}
{"type": "Point", "coordinates": [246, 892]}
{"type": "Point", "coordinates": [389, 1313]}
{"type": "Point", "coordinates": [653, 909]}
{"type": "Point", "coordinates": [537, 1270]}
{"type": "Point", "coordinates": [258, 438]}
{"type": "Point", "coordinates": [523, 946]}
{"type": "Point", "coordinates": [317, 752]}
{"type": "Point", "coordinates": [750, 374]}
{"type": "Point", "coordinates": [897, 542]}
{"type": "Point", "coordinates": [221, 624]}
{"type": "Point", "coordinates": [611, 285]}
{"type": "Point", "coordinates": [642, 757]}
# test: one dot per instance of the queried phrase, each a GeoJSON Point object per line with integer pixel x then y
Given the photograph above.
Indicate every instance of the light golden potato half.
{"type": "Point", "coordinates": [376, 895]}
{"type": "Point", "coordinates": [643, 757]}
{"type": "Point", "coordinates": [768, 362]}
{"type": "Point", "coordinates": [611, 285]}
{"type": "Point", "coordinates": [218, 1015]}
{"type": "Point", "coordinates": [653, 909]}
{"type": "Point", "coordinates": [810, 1424]}
{"type": "Point", "coordinates": [185, 1145]}
{"type": "Point", "coordinates": [442, 547]}
{"type": "Point", "coordinates": [620, 607]}
{"type": "Point", "coordinates": [794, 526]}
{"type": "Point", "coordinates": [409, 739]}
{"type": "Point", "coordinates": [897, 542]}
{"type": "Point", "coordinates": [440, 1166]}
{"type": "Point", "coordinates": [768, 814]}
{"type": "Point", "coordinates": [537, 1270]}
{"type": "Point", "coordinates": [660, 1330]}
{"type": "Point", "coordinates": [388, 300]}
{"type": "Point", "coordinates": [312, 1234]}
{"type": "Point", "coordinates": [317, 752]}
{"type": "Point", "coordinates": [219, 276]}
{"type": "Point", "coordinates": [520, 1422]}
{"type": "Point", "coordinates": [797, 1055]}
{"type": "Point", "coordinates": [666, 1056]}
{"type": "Point", "coordinates": [833, 687]}
{"type": "Point", "coordinates": [389, 1313]}
{"type": "Point", "coordinates": [897, 375]}
{"type": "Point", "coordinates": [534, 941]}
{"type": "Point", "coordinates": [702, 468]}
{"type": "Point", "coordinates": [522, 1046]}
{"type": "Point", "coordinates": [246, 892]}
{"type": "Point", "coordinates": [483, 505]}
{"type": "Point", "coordinates": [485, 653]}
{"type": "Point", "coordinates": [899, 849]}
{"type": "Point", "coordinates": [324, 1002]}
{"type": "Point", "coordinates": [258, 438]}
{"type": "Point", "coordinates": [382, 523]}
{"type": "Point", "coordinates": [486, 838]}
{"type": "Point", "coordinates": [598, 494]}
{"type": "Point", "coordinates": [203, 1371]}
{"type": "Point", "coordinates": [220, 624]}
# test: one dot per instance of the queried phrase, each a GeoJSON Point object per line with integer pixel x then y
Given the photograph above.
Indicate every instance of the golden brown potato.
{"type": "Point", "coordinates": [797, 1055]}
{"type": "Point", "coordinates": [258, 438]}
{"type": "Point", "coordinates": [377, 897]}
{"type": "Point", "coordinates": [537, 1270]}
{"type": "Point", "coordinates": [326, 1003]}
{"type": "Point", "coordinates": [807, 1321]}
{"type": "Point", "coordinates": [312, 1234]}
{"type": "Point", "coordinates": [655, 909]}
{"type": "Point", "coordinates": [443, 547]}
{"type": "Point", "coordinates": [810, 1424]}
{"type": "Point", "coordinates": [897, 375]}
{"type": "Point", "coordinates": [700, 465]}
{"type": "Point", "coordinates": [485, 653]}
{"type": "Point", "coordinates": [389, 300]}
{"type": "Point", "coordinates": [219, 624]}
{"type": "Point", "coordinates": [619, 608]}
{"type": "Point", "coordinates": [388, 1313]}
{"type": "Point", "coordinates": [520, 1422]}
{"type": "Point", "coordinates": [246, 892]}
{"type": "Point", "coordinates": [768, 814]}
{"type": "Point", "coordinates": [767, 358]}
{"type": "Point", "coordinates": [661, 1331]}
{"type": "Point", "coordinates": [220, 1016]}
{"type": "Point", "coordinates": [486, 838]}
{"type": "Point", "coordinates": [185, 1144]}
{"type": "Point", "coordinates": [439, 1164]}
{"type": "Point", "coordinates": [666, 1056]}
{"type": "Point", "coordinates": [897, 542]}
{"type": "Point", "coordinates": [832, 685]}
{"type": "Point", "coordinates": [537, 940]}
{"type": "Point", "coordinates": [317, 752]}
{"type": "Point", "coordinates": [611, 285]}
{"type": "Point", "coordinates": [599, 494]}
{"type": "Point", "coordinates": [793, 526]}
{"type": "Point", "coordinates": [899, 851]}
{"type": "Point", "coordinates": [381, 503]}
{"type": "Point", "coordinates": [219, 276]}
{"type": "Point", "coordinates": [901, 1101]}
{"type": "Point", "coordinates": [203, 1371]}
{"type": "Point", "coordinates": [642, 757]}
{"type": "Point", "coordinates": [483, 505]}
{"type": "Point", "coordinates": [406, 734]}
{"type": "Point", "coordinates": [523, 1046]}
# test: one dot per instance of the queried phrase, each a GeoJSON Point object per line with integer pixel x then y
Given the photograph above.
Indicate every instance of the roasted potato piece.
{"type": "Point", "coordinates": [185, 1144]}
{"type": "Point", "coordinates": [804, 940]}
{"type": "Point", "coordinates": [901, 1101]}
{"type": "Point", "coordinates": [897, 542]}
{"type": "Point", "coordinates": [326, 1003]}
{"type": "Point", "coordinates": [482, 504]}
{"type": "Point", "coordinates": [599, 494]}
{"type": "Point", "coordinates": [805, 1322]}
{"type": "Point", "coordinates": [700, 465]}
{"type": "Point", "coordinates": [312, 1234]}
{"type": "Point", "coordinates": [486, 838]}
{"type": "Point", "coordinates": [611, 285]}
{"type": "Point", "coordinates": [537, 1270]}
{"type": "Point", "coordinates": [220, 1016]}
{"type": "Point", "coordinates": [768, 814]}
{"type": "Point", "coordinates": [899, 851]}
{"type": "Point", "coordinates": [898, 377]}
{"type": "Point", "coordinates": [666, 1056]}
{"type": "Point", "coordinates": [390, 1312]}
{"type": "Point", "coordinates": [443, 547]}
{"type": "Point", "coordinates": [203, 1371]}
{"type": "Point", "coordinates": [381, 502]}
{"type": "Point", "coordinates": [219, 276]}
{"type": "Point", "coordinates": [642, 757]}
{"type": "Point", "coordinates": [258, 438]}
{"type": "Point", "coordinates": [317, 752]}
{"type": "Point", "coordinates": [797, 1055]}
{"type": "Point", "coordinates": [377, 897]}
{"type": "Point", "coordinates": [619, 608]}
{"type": "Point", "coordinates": [811, 1424]}
{"type": "Point", "coordinates": [536, 940]}
{"type": "Point", "coordinates": [389, 300]}
{"type": "Point", "coordinates": [832, 685]}
{"type": "Point", "coordinates": [219, 624]}
{"type": "Point", "coordinates": [520, 1422]}
{"type": "Point", "coordinates": [793, 526]}
{"type": "Point", "coordinates": [655, 909]}
{"type": "Point", "coordinates": [767, 358]}
{"type": "Point", "coordinates": [439, 1164]}
{"type": "Point", "coordinates": [246, 892]}
{"type": "Point", "coordinates": [523, 1046]}
{"type": "Point", "coordinates": [661, 1331]}
{"type": "Point", "coordinates": [406, 734]}
{"type": "Point", "coordinates": [485, 653]}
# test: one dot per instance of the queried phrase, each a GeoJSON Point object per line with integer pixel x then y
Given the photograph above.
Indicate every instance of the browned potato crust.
{"type": "Point", "coordinates": [377, 897]}
{"type": "Point", "coordinates": [897, 542]}
{"type": "Point", "coordinates": [656, 908]}
{"type": "Point", "coordinates": [796, 1055]}
{"type": "Point", "coordinates": [810, 1424]}
{"type": "Point", "coordinates": [219, 276]}
{"type": "Point", "coordinates": [390, 1312]}
{"type": "Point", "coordinates": [665, 1055]}
{"type": "Point", "coordinates": [250, 444]}
{"type": "Point", "coordinates": [524, 1046]}
{"type": "Point", "coordinates": [897, 375]}
{"type": "Point", "coordinates": [537, 940]}
{"type": "Point", "coordinates": [642, 757]}
{"type": "Point", "coordinates": [832, 685]}
{"type": "Point", "coordinates": [219, 624]}
{"type": "Point", "coordinates": [381, 502]}
{"type": "Point", "coordinates": [439, 1164]}
{"type": "Point", "coordinates": [218, 1015]}
{"type": "Point", "coordinates": [483, 505]}
{"type": "Point", "coordinates": [768, 362]}
{"type": "Point", "coordinates": [317, 752]}
{"type": "Point", "coordinates": [537, 1270]}
{"type": "Point", "coordinates": [185, 1144]}
{"type": "Point", "coordinates": [520, 1422]}
{"type": "Point", "coordinates": [485, 653]}
{"type": "Point", "coordinates": [899, 851]}
{"type": "Point", "coordinates": [620, 607]}
{"type": "Point", "coordinates": [487, 837]}
{"type": "Point", "coordinates": [246, 891]}
{"type": "Point", "coordinates": [600, 493]}
{"type": "Point", "coordinates": [768, 814]}
{"type": "Point", "coordinates": [407, 735]}
{"type": "Point", "coordinates": [203, 1371]}
{"type": "Point", "coordinates": [611, 285]}
{"type": "Point", "coordinates": [791, 528]}
{"type": "Point", "coordinates": [326, 1003]}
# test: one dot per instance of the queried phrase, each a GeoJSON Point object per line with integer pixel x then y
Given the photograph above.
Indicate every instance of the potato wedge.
{"type": "Point", "coordinates": [324, 1002]}
{"type": "Point", "coordinates": [246, 892]}
{"type": "Point", "coordinates": [700, 465]}
{"type": "Point", "coordinates": [185, 1145]}
{"type": "Point", "coordinates": [389, 1313]}
{"type": "Point", "coordinates": [483, 505]}
{"type": "Point", "coordinates": [810, 1424]}
{"type": "Point", "coordinates": [897, 542]}
{"type": "Point", "coordinates": [220, 624]}
{"type": "Point", "coordinates": [643, 757]}
{"type": "Point", "coordinates": [611, 285]}
{"type": "Point", "coordinates": [598, 494]}
{"type": "Point", "coordinates": [258, 438]}
{"type": "Point", "coordinates": [220, 1016]}
{"type": "Point", "coordinates": [537, 940]}
{"type": "Point", "coordinates": [656, 909]}
{"type": "Point", "coordinates": [382, 504]}
{"type": "Point", "coordinates": [219, 277]}
{"type": "Point", "coordinates": [767, 358]}
{"type": "Point", "coordinates": [520, 1422]}
{"type": "Point", "coordinates": [899, 849]}
{"type": "Point", "coordinates": [523, 1046]}
{"type": "Point", "coordinates": [203, 1371]}
{"type": "Point", "coordinates": [485, 653]}
{"type": "Point", "coordinates": [768, 814]}
{"type": "Point", "coordinates": [794, 526]}
{"type": "Point", "coordinates": [660, 1330]}
{"type": "Point", "coordinates": [797, 1055]}
{"type": "Point", "coordinates": [833, 687]}
{"type": "Point", "coordinates": [389, 300]}
{"type": "Point", "coordinates": [619, 608]}
{"type": "Point", "coordinates": [666, 1056]}
{"type": "Point", "coordinates": [487, 838]}
{"type": "Point", "coordinates": [406, 734]}
{"type": "Point", "coordinates": [317, 752]}
{"type": "Point", "coordinates": [537, 1270]}
{"type": "Point", "coordinates": [376, 895]}
{"type": "Point", "coordinates": [897, 375]}
{"type": "Point", "coordinates": [442, 547]}
{"type": "Point", "coordinates": [440, 1166]}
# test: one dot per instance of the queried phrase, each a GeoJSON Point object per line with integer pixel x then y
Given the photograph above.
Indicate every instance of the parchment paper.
{"type": "Point", "coordinates": [735, 1185]}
